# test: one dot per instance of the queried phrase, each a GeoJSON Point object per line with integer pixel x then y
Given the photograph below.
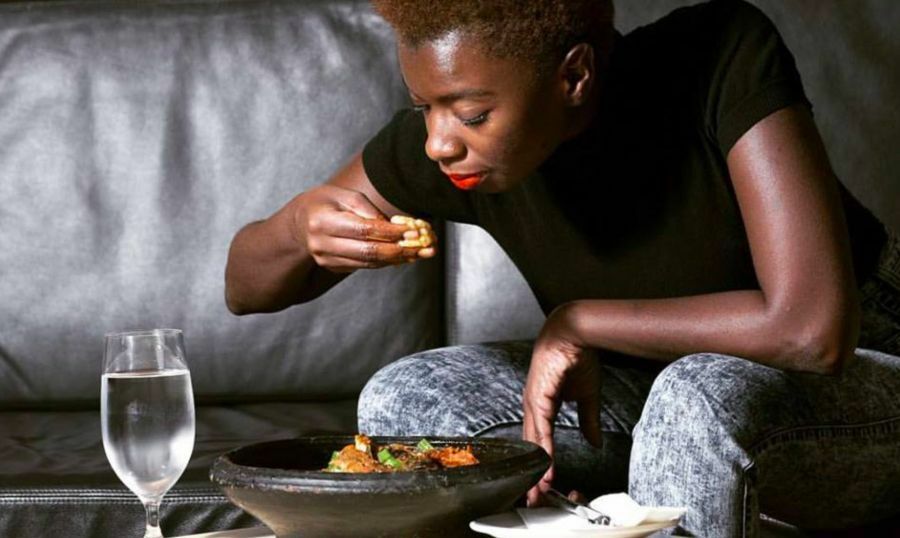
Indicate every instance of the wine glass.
{"type": "Point", "coordinates": [147, 414]}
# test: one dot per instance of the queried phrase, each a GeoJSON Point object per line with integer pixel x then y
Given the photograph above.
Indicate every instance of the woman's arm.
{"type": "Point", "coordinates": [312, 243]}
{"type": "Point", "coordinates": [805, 316]}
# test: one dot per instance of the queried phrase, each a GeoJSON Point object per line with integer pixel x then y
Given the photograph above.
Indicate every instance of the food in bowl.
{"type": "Point", "coordinates": [363, 456]}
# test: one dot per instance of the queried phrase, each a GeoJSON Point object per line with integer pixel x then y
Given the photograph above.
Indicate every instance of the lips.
{"type": "Point", "coordinates": [466, 182]}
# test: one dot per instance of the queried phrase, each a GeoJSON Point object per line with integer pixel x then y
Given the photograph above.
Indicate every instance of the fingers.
{"type": "Point", "coordinates": [538, 428]}
{"type": "Point", "coordinates": [532, 498]}
{"type": "Point", "coordinates": [359, 204]}
{"type": "Point", "coordinates": [354, 254]}
{"type": "Point", "coordinates": [343, 231]}
{"type": "Point", "coordinates": [344, 241]}
{"type": "Point", "coordinates": [352, 226]}
{"type": "Point", "coordinates": [540, 403]}
{"type": "Point", "coordinates": [589, 418]}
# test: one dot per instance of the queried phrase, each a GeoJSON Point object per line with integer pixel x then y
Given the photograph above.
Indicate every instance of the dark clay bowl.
{"type": "Point", "coordinates": [282, 484]}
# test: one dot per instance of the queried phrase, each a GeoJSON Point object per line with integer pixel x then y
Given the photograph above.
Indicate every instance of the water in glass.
{"type": "Point", "coordinates": [148, 426]}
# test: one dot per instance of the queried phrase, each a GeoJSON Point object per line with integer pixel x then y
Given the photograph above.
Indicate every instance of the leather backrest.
{"type": "Point", "coordinates": [136, 139]}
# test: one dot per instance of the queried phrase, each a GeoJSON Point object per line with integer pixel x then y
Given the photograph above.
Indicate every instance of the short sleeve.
{"type": "Point", "coordinates": [396, 164]}
{"type": "Point", "coordinates": [753, 73]}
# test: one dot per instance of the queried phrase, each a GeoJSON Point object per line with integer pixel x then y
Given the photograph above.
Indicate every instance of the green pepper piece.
{"type": "Point", "coordinates": [385, 457]}
{"type": "Point", "coordinates": [384, 454]}
{"type": "Point", "coordinates": [332, 466]}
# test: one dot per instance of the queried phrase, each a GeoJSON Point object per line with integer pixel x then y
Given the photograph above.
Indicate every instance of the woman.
{"type": "Point", "coordinates": [668, 199]}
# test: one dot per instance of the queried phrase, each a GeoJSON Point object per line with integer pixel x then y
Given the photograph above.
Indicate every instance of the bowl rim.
{"type": "Point", "coordinates": [226, 473]}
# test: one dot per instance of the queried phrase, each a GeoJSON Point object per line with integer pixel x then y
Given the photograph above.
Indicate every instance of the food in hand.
{"type": "Point", "coordinates": [419, 233]}
{"type": "Point", "coordinates": [363, 457]}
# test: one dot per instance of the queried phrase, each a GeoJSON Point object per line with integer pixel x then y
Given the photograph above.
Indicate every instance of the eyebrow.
{"type": "Point", "coordinates": [456, 96]}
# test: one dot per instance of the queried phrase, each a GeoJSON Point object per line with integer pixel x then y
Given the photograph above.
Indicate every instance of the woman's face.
{"type": "Point", "coordinates": [491, 121]}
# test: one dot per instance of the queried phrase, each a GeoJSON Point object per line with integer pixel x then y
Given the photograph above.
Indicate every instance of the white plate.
{"type": "Point", "coordinates": [510, 525]}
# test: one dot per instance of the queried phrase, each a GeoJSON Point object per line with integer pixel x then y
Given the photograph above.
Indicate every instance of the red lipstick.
{"type": "Point", "coordinates": [465, 182]}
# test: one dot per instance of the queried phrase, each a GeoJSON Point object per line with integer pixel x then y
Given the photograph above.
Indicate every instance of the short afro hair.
{"type": "Point", "coordinates": [539, 31]}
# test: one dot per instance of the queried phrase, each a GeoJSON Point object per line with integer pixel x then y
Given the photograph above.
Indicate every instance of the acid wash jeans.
{"type": "Point", "coordinates": [725, 437]}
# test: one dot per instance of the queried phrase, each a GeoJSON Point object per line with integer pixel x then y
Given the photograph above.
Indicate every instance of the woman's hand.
{"type": "Point", "coordinates": [562, 369]}
{"type": "Point", "coordinates": [315, 240]}
{"type": "Point", "coordinates": [343, 231]}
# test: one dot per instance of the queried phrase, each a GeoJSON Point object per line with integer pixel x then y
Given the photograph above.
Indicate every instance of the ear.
{"type": "Point", "coordinates": [577, 73]}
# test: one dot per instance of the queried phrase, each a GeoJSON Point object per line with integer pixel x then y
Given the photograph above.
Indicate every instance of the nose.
{"type": "Point", "coordinates": [442, 143]}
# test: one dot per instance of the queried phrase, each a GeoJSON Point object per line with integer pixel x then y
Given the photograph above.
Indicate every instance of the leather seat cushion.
{"type": "Point", "coordinates": [55, 478]}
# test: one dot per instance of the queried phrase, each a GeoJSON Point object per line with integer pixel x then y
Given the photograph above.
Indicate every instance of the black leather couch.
{"type": "Point", "coordinates": [137, 137]}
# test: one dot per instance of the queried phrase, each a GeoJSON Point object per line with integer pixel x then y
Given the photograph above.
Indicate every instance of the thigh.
{"type": "Point", "coordinates": [836, 461]}
{"type": "Point", "coordinates": [472, 389]}
{"type": "Point", "coordinates": [816, 451]}
{"type": "Point", "coordinates": [453, 391]}
{"type": "Point", "coordinates": [753, 402]}
{"type": "Point", "coordinates": [476, 390]}
{"type": "Point", "coordinates": [880, 302]}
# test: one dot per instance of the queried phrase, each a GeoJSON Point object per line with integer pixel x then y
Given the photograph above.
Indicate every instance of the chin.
{"type": "Point", "coordinates": [495, 184]}
{"type": "Point", "coordinates": [494, 189]}
{"type": "Point", "coordinates": [490, 188]}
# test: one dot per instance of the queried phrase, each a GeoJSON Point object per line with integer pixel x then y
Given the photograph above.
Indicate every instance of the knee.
{"type": "Point", "coordinates": [390, 393]}
{"type": "Point", "coordinates": [706, 395]}
{"type": "Point", "coordinates": [409, 396]}
{"type": "Point", "coordinates": [686, 430]}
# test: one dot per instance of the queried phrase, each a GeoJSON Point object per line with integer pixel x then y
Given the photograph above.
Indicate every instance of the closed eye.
{"type": "Point", "coordinates": [479, 119]}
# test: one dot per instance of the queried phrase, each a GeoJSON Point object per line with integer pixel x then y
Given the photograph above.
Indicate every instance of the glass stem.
{"type": "Point", "coordinates": [153, 530]}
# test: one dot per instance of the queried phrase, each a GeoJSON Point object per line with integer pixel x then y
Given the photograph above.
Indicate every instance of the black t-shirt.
{"type": "Point", "coordinates": [641, 204]}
